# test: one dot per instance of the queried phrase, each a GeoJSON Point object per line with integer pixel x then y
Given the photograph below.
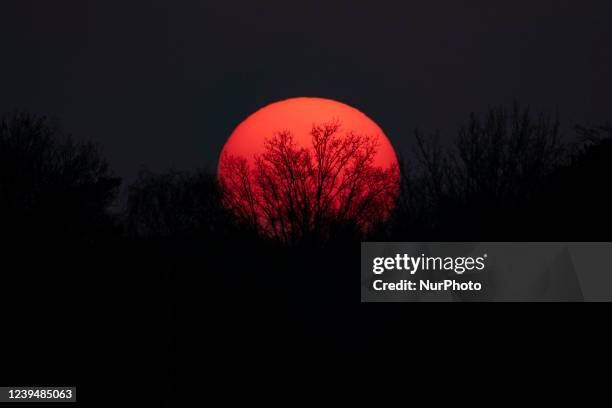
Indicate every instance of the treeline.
{"type": "Point", "coordinates": [507, 174]}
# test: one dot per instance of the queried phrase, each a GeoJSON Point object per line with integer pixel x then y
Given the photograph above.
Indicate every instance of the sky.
{"type": "Point", "coordinates": [161, 84]}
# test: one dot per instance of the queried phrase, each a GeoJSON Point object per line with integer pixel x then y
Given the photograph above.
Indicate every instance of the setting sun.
{"type": "Point", "coordinates": [304, 167]}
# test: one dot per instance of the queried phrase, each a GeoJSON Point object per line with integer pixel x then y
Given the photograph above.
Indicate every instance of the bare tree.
{"type": "Point", "coordinates": [291, 193]}
{"type": "Point", "coordinates": [500, 157]}
{"type": "Point", "coordinates": [497, 161]}
{"type": "Point", "coordinates": [506, 155]}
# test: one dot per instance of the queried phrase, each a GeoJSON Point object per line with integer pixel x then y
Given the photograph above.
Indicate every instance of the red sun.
{"type": "Point", "coordinates": [298, 115]}
{"type": "Point", "coordinates": [305, 161]}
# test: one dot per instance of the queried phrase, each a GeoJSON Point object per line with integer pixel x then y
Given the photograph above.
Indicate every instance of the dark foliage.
{"type": "Point", "coordinates": [176, 205]}
{"type": "Point", "coordinates": [49, 184]}
{"type": "Point", "coordinates": [575, 203]}
{"type": "Point", "coordinates": [482, 187]}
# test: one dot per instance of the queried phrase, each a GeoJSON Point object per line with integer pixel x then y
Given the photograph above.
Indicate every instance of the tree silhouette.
{"type": "Point", "coordinates": [294, 193]}
{"type": "Point", "coordinates": [50, 182]}
{"type": "Point", "coordinates": [506, 156]}
{"type": "Point", "coordinates": [496, 166]}
{"type": "Point", "coordinates": [59, 239]}
{"type": "Point", "coordinates": [175, 204]}
{"type": "Point", "coordinates": [575, 202]}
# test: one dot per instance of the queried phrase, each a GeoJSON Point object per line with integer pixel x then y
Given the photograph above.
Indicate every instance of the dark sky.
{"type": "Point", "coordinates": [163, 83]}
